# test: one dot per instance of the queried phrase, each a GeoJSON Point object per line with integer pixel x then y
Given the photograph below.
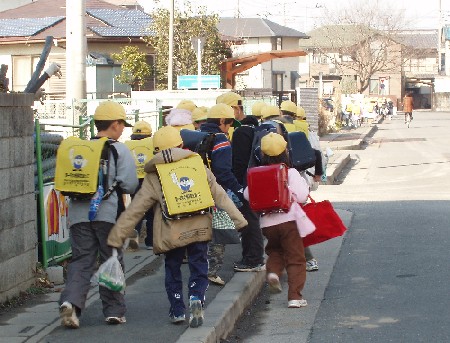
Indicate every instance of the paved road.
{"type": "Point", "coordinates": [391, 279]}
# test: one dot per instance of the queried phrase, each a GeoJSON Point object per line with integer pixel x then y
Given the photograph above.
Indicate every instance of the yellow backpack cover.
{"type": "Point", "coordinates": [142, 151]}
{"type": "Point", "coordinates": [302, 126]}
{"type": "Point", "coordinates": [185, 188]}
{"type": "Point", "coordinates": [77, 166]}
{"type": "Point", "coordinates": [290, 127]}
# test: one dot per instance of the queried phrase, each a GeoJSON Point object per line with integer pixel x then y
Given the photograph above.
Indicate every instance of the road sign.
{"type": "Point", "coordinates": [191, 81]}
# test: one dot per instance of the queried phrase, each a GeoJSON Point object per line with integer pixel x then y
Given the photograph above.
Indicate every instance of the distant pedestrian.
{"type": "Point", "coordinates": [284, 245]}
{"type": "Point", "coordinates": [408, 106]}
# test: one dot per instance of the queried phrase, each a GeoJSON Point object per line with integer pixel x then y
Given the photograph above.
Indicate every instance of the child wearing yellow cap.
{"type": "Point", "coordinates": [284, 244]}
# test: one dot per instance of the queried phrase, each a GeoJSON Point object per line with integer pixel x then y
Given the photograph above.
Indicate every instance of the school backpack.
{"type": "Point", "coordinates": [260, 131]}
{"type": "Point", "coordinates": [268, 188]}
{"type": "Point", "coordinates": [83, 165]}
{"type": "Point", "coordinates": [200, 142]}
{"type": "Point", "coordinates": [142, 151]}
{"type": "Point", "coordinates": [301, 153]}
{"type": "Point", "coordinates": [185, 188]}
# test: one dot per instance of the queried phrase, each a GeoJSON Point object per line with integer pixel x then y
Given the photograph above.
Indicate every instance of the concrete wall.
{"type": "Point", "coordinates": [18, 236]}
{"type": "Point", "coordinates": [441, 102]}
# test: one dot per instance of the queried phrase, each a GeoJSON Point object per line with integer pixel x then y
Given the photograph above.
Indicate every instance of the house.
{"type": "Point", "coordinates": [410, 57]}
{"type": "Point", "coordinates": [261, 36]}
{"type": "Point", "coordinates": [109, 28]}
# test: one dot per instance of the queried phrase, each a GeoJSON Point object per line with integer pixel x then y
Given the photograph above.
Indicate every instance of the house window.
{"type": "Point", "coordinates": [22, 70]}
{"type": "Point", "coordinates": [373, 86]}
{"type": "Point", "coordinates": [277, 81]}
{"type": "Point", "coordinates": [279, 43]}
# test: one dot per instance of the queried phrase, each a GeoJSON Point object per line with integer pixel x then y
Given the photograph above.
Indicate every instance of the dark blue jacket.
{"type": "Point", "coordinates": [221, 159]}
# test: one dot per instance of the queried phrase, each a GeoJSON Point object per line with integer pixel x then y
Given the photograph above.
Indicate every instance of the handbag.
{"type": "Point", "coordinates": [328, 223]}
{"type": "Point", "coordinates": [304, 225]}
{"type": "Point", "coordinates": [224, 230]}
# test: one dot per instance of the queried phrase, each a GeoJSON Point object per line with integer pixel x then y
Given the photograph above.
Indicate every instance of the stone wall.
{"type": "Point", "coordinates": [18, 235]}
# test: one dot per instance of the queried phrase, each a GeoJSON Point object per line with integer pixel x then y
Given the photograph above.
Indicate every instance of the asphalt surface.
{"type": "Point", "coordinates": [147, 316]}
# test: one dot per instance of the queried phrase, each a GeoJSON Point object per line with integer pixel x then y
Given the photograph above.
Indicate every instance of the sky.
{"type": "Point", "coordinates": [304, 15]}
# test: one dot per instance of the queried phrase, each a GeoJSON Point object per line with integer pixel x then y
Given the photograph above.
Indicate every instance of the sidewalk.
{"type": "Point", "coordinates": [36, 320]}
{"type": "Point", "coordinates": [340, 143]}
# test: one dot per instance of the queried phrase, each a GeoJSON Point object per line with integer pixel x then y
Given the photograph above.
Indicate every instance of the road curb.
{"type": "Point", "coordinates": [226, 308]}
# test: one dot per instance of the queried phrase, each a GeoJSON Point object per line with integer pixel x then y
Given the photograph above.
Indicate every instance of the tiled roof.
{"type": "Point", "coordinates": [21, 27]}
{"type": "Point", "coordinates": [255, 27]}
{"type": "Point", "coordinates": [121, 22]}
{"type": "Point", "coordinates": [419, 39]}
{"type": "Point", "coordinates": [102, 20]}
{"type": "Point", "coordinates": [336, 36]}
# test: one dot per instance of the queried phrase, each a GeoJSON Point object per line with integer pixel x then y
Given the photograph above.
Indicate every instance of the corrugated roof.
{"type": "Point", "coordinates": [255, 27]}
{"type": "Point", "coordinates": [21, 27]}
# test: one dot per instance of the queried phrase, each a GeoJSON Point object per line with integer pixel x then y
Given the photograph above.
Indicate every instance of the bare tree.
{"type": "Point", "coordinates": [363, 39]}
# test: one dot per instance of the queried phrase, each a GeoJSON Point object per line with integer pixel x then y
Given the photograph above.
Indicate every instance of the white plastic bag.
{"type": "Point", "coordinates": [110, 274]}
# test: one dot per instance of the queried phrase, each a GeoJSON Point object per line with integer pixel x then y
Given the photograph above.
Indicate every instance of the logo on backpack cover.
{"type": "Point", "coordinates": [185, 183]}
{"type": "Point", "coordinates": [78, 161]}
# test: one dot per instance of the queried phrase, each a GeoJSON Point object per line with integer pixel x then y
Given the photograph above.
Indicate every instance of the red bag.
{"type": "Point", "coordinates": [268, 188]}
{"type": "Point", "coordinates": [327, 221]}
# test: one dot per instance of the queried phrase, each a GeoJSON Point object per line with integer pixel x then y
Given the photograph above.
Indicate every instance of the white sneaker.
{"type": "Point", "coordinates": [216, 279]}
{"type": "Point", "coordinates": [311, 265]}
{"type": "Point", "coordinates": [196, 312]}
{"type": "Point", "coordinates": [297, 303]}
{"type": "Point", "coordinates": [68, 315]}
{"type": "Point", "coordinates": [115, 320]}
{"type": "Point", "coordinates": [274, 283]}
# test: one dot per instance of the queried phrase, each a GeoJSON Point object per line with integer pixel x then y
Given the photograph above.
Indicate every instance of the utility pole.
{"type": "Point", "coordinates": [76, 50]}
{"type": "Point", "coordinates": [439, 37]}
{"type": "Point", "coordinates": [170, 66]}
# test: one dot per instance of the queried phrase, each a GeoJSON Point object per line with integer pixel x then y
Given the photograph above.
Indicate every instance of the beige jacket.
{"type": "Point", "coordinates": [150, 195]}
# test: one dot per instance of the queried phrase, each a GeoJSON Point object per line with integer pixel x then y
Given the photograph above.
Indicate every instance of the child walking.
{"type": "Point", "coordinates": [195, 230]}
{"type": "Point", "coordinates": [284, 245]}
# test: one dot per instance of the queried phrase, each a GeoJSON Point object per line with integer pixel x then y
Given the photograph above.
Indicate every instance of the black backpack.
{"type": "Point", "coordinates": [199, 142]}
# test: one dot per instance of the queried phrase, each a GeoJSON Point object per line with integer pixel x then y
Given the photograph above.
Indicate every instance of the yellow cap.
{"type": "Point", "coordinates": [230, 98]}
{"type": "Point", "coordinates": [221, 111]}
{"type": "Point", "coordinates": [142, 128]}
{"type": "Point", "coordinates": [273, 144]}
{"type": "Point", "coordinates": [256, 108]}
{"type": "Point", "coordinates": [110, 110]}
{"type": "Point", "coordinates": [289, 106]}
{"type": "Point", "coordinates": [300, 113]}
{"type": "Point", "coordinates": [269, 111]}
{"type": "Point", "coordinates": [165, 138]}
{"type": "Point", "coordinates": [200, 113]}
{"type": "Point", "coordinates": [186, 105]}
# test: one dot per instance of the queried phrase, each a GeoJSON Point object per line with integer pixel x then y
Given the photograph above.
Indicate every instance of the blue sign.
{"type": "Point", "coordinates": [191, 81]}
